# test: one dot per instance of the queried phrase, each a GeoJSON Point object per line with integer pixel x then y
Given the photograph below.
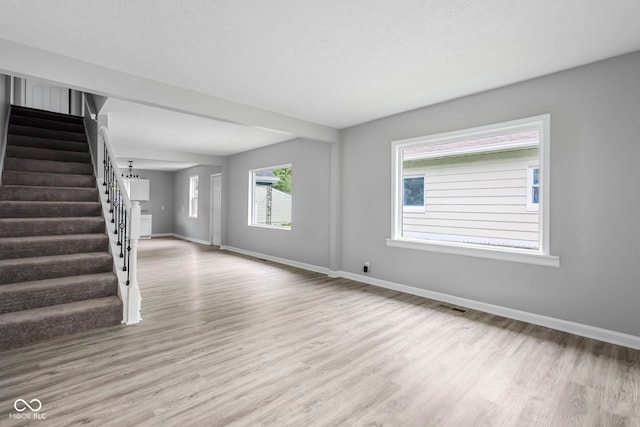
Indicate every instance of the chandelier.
{"type": "Point", "coordinates": [129, 173]}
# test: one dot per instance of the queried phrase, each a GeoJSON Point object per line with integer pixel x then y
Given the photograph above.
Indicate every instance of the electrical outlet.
{"type": "Point", "coordinates": [366, 267]}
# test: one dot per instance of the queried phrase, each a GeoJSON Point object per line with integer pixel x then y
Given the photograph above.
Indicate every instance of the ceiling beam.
{"type": "Point", "coordinates": [26, 61]}
{"type": "Point", "coordinates": [131, 153]}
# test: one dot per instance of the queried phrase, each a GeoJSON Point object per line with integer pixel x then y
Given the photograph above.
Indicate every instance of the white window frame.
{"type": "Point", "coordinates": [420, 209]}
{"type": "Point", "coordinates": [251, 204]}
{"type": "Point", "coordinates": [531, 206]}
{"type": "Point", "coordinates": [194, 213]}
{"type": "Point", "coordinates": [541, 256]}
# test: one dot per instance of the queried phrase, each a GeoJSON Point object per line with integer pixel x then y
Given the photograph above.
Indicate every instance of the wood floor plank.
{"type": "Point", "coordinates": [228, 340]}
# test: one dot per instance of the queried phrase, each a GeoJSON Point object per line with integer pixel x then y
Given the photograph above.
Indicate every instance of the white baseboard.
{"type": "Point", "coordinates": [190, 239]}
{"type": "Point", "coordinates": [163, 235]}
{"type": "Point", "coordinates": [301, 265]}
{"type": "Point", "coordinates": [580, 329]}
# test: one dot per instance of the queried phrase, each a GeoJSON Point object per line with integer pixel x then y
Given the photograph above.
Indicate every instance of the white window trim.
{"type": "Point", "coordinates": [251, 212]}
{"type": "Point", "coordinates": [532, 207]}
{"type": "Point", "coordinates": [418, 209]}
{"type": "Point", "coordinates": [542, 256]}
{"type": "Point", "coordinates": [194, 215]}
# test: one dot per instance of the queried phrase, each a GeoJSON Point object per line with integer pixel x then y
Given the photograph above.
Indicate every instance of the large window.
{"type": "Point", "coordinates": [479, 192]}
{"type": "Point", "coordinates": [193, 196]}
{"type": "Point", "coordinates": [270, 197]}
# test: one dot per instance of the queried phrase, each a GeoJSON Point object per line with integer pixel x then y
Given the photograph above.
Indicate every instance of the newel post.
{"type": "Point", "coordinates": [134, 298]}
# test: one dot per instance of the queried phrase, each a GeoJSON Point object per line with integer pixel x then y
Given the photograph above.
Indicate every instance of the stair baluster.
{"type": "Point", "coordinates": [125, 217]}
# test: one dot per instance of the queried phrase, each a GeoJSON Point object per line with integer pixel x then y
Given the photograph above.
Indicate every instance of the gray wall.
{"type": "Point", "coordinates": [18, 91]}
{"type": "Point", "coordinates": [91, 128]}
{"type": "Point", "coordinates": [98, 101]}
{"type": "Point", "coordinates": [5, 102]}
{"type": "Point", "coordinates": [160, 203]}
{"type": "Point", "coordinates": [595, 202]}
{"type": "Point", "coordinates": [195, 228]}
{"type": "Point", "coordinates": [75, 107]}
{"type": "Point", "coordinates": [308, 239]}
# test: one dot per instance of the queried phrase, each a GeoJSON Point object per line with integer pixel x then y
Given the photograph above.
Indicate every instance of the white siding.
{"type": "Point", "coordinates": [476, 199]}
{"type": "Point", "coordinates": [280, 207]}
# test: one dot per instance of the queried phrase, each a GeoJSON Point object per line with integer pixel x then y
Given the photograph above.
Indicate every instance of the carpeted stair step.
{"type": "Point", "coordinates": [43, 114]}
{"type": "Point", "coordinates": [69, 194]}
{"type": "Point", "coordinates": [50, 144]}
{"type": "Point", "coordinates": [36, 246]}
{"type": "Point", "coordinates": [29, 326]}
{"type": "Point", "coordinates": [41, 293]}
{"type": "Point", "coordinates": [56, 273]}
{"type": "Point", "coordinates": [17, 227]}
{"type": "Point", "coordinates": [46, 133]}
{"type": "Point", "coordinates": [47, 166]}
{"type": "Point", "coordinates": [50, 267]}
{"type": "Point", "coordinates": [48, 179]}
{"type": "Point", "coordinates": [47, 154]}
{"type": "Point", "coordinates": [47, 123]}
{"type": "Point", "coordinates": [29, 209]}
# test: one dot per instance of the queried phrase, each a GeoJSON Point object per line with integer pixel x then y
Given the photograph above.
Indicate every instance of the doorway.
{"type": "Point", "coordinates": [44, 96]}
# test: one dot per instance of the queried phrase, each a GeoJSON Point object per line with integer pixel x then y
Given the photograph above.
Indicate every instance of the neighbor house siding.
{"type": "Point", "coordinates": [483, 196]}
{"type": "Point", "coordinates": [280, 207]}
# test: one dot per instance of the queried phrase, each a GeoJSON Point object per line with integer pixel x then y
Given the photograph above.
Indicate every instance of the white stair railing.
{"type": "Point", "coordinates": [123, 227]}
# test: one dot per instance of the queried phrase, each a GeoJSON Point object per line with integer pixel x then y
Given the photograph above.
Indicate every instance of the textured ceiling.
{"type": "Point", "coordinates": [333, 62]}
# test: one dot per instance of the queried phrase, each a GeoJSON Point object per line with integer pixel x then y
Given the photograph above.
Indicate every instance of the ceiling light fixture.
{"type": "Point", "coordinates": [130, 174]}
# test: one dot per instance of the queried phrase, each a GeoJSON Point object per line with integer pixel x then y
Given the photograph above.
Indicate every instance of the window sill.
{"type": "Point", "coordinates": [501, 254]}
{"type": "Point", "coordinates": [270, 227]}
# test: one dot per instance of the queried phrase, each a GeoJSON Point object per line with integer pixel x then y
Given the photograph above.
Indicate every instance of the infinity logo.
{"type": "Point", "coordinates": [24, 405]}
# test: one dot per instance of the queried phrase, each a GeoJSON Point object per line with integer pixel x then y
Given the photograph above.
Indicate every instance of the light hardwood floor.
{"type": "Point", "coordinates": [230, 340]}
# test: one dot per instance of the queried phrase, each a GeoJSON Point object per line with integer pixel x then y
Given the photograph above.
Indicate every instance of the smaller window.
{"type": "Point", "coordinates": [533, 189]}
{"type": "Point", "coordinates": [413, 194]}
{"type": "Point", "coordinates": [270, 197]}
{"type": "Point", "coordinates": [193, 196]}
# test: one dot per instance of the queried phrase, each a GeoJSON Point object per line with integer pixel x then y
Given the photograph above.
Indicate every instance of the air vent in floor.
{"type": "Point", "coordinates": [456, 309]}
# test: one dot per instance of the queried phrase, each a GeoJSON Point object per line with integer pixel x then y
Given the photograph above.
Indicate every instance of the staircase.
{"type": "Point", "coordinates": [56, 274]}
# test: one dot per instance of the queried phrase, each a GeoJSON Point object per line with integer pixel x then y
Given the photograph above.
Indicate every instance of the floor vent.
{"type": "Point", "coordinates": [456, 309]}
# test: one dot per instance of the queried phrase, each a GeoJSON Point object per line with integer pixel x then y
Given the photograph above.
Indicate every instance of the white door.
{"type": "Point", "coordinates": [216, 209]}
{"type": "Point", "coordinates": [44, 96]}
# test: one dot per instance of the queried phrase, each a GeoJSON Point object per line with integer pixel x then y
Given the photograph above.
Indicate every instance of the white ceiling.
{"type": "Point", "coordinates": [332, 62]}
